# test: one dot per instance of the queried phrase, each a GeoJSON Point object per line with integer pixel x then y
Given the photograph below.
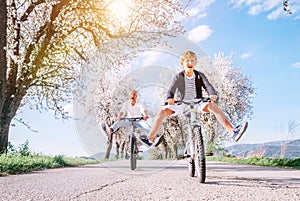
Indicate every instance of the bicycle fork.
{"type": "Point", "coordinates": [191, 136]}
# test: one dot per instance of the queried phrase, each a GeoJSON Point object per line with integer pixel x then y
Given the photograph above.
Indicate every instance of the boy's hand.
{"type": "Point", "coordinates": [213, 98]}
{"type": "Point", "coordinates": [145, 117]}
{"type": "Point", "coordinates": [171, 101]}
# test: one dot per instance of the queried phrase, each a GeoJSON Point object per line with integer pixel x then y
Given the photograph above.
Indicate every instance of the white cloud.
{"type": "Point", "coordinates": [246, 55]}
{"type": "Point", "coordinates": [193, 12]}
{"type": "Point", "coordinates": [250, 2]}
{"type": "Point", "coordinates": [273, 8]}
{"type": "Point", "coordinates": [275, 14]}
{"type": "Point", "coordinates": [199, 7]}
{"type": "Point", "coordinates": [254, 10]}
{"type": "Point", "coordinates": [202, 15]}
{"type": "Point", "coordinates": [200, 33]}
{"type": "Point", "coordinates": [204, 4]}
{"type": "Point", "coordinates": [296, 65]}
{"type": "Point", "coordinates": [237, 3]}
{"type": "Point", "coordinates": [271, 4]}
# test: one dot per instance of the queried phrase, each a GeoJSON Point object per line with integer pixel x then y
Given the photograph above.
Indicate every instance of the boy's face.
{"type": "Point", "coordinates": [189, 64]}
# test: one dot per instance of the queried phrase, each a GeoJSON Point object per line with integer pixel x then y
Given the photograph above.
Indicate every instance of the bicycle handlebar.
{"type": "Point", "coordinates": [132, 118]}
{"type": "Point", "coordinates": [195, 101]}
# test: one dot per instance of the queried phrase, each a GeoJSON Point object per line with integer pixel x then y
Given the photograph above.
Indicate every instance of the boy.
{"type": "Point", "coordinates": [188, 84]}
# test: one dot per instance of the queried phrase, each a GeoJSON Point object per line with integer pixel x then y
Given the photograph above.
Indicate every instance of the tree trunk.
{"type": "Point", "coordinates": [4, 131]}
{"type": "Point", "coordinates": [4, 123]}
{"type": "Point", "coordinates": [175, 151]}
{"type": "Point", "coordinates": [117, 150]}
{"type": "Point", "coordinates": [165, 145]}
{"type": "Point", "coordinates": [7, 113]}
{"type": "Point", "coordinates": [122, 149]}
{"type": "Point", "coordinates": [109, 146]}
{"type": "Point", "coordinates": [3, 61]}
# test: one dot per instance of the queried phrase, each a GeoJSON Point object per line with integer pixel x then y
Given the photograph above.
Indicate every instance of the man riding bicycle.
{"type": "Point", "coordinates": [130, 108]}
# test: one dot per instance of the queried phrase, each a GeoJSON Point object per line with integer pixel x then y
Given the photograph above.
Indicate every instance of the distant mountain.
{"type": "Point", "coordinates": [267, 150]}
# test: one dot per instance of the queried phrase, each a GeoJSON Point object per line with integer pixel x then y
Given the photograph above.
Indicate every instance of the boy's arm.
{"type": "Point", "coordinates": [172, 88]}
{"type": "Point", "coordinates": [207, 85]}
{"type": "Point", "coordinates": [209, 88]}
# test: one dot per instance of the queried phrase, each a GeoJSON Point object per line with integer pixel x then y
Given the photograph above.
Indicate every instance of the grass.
{"type": "Point", "coordinates": [21, 160]}
{"type": "Point", "coordinates": [260, 161]}
{"type": "Point", "coordinates": [16, 163]}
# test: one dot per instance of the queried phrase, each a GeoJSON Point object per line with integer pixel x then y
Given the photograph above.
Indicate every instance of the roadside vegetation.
{"type": "Point", "coordinates": [21, 160]}
{"type": "Point", "coordinates": [260, 161]}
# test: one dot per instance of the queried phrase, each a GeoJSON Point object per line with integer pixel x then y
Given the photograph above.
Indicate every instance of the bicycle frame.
{"type": "Point", "coordinates": [132, 141]}
{"type": "Point", "coordinates": [193, 121]}
{"type": "Point", "coordinates": [194, 149]}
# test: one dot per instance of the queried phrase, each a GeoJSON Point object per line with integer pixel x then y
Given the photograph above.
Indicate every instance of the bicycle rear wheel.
{"type": "Point", "coordinates": [133, 153]}
{"type": "Point", "coordinates": [200, 165]}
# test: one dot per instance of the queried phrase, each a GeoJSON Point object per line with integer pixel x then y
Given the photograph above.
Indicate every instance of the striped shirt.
{"type": "Point", "coordinates": [190, 88]}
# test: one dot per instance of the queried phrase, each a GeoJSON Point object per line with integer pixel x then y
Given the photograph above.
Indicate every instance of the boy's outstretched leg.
{"type": "Point", "coordinates": [237, 132]}
{"type": "Point", "coordinates": [152, 139]}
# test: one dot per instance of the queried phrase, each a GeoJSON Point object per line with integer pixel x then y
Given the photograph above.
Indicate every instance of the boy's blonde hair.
{"type": "Point", "coordinates": [186, 54]}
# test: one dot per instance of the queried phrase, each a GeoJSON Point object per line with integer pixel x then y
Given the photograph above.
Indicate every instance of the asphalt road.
{"type": "Point", "coordinates": [153, 180]}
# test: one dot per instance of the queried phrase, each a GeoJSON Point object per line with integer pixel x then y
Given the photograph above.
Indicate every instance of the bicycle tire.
{"type": "Point", "coordinates": [191, 166]}
{"type": "Point", "coordinates": [133, 153]}
{"type": "Point", "coordinates": [200, 164]}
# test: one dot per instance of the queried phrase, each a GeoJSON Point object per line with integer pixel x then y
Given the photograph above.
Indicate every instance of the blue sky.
{"type": "Point", "coordinates": [266, 46]}
{"type": "Point", "coordinates": [265, 42]}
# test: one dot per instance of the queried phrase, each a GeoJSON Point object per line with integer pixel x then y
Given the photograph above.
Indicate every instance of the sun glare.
{"type": "Point", "coordinates": [120, 10]}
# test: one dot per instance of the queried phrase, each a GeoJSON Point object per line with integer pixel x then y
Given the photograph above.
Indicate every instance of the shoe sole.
{"type": "Point", "coordinates": [242, 131]}
{"type": "Point", "coordinates": [156, 141]}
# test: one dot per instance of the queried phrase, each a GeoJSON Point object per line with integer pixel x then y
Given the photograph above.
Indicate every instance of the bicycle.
{"type": "Point", "coordinates": [132, 143]}
{"type": "Point", "coordinates": [194, 149]}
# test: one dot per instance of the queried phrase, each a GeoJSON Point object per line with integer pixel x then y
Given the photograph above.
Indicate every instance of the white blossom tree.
{"type": "Point", "coordinates": [235, 91]}
{"type": "Point", "coordinates": [44, 42]}
{"type": "Point", "coordinates": [109, 97]}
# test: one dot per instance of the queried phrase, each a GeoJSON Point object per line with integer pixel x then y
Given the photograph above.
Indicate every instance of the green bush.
{"type": "Point", "coordinates": [271, 162]}
{"type": "Point", "coordinates": [59, 160]}
{"type": "Point", "coordinates": [21, 160]}
{"type": "Point", "coordinates": [18, 163]}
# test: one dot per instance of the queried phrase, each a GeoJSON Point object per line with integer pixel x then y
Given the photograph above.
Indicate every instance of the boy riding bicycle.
{"type": "Point", "coordinates": [188, 83]}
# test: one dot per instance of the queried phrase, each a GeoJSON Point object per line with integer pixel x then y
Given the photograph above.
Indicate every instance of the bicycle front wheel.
{"type": "Point", "coordinates": [200, 165]}
{"type": "Point", "coordinates": [133, 153]}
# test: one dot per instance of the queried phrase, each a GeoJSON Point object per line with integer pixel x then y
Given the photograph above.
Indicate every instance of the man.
{"type": "Point", "coordinates": [130, 108]}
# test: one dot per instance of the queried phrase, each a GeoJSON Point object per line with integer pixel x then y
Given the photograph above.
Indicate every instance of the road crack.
{"type": "Point", "coordinates": [98, 189]}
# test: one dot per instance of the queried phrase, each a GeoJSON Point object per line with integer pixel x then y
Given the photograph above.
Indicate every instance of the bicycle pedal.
{"type": "Point", "coordinates": [187, 156]}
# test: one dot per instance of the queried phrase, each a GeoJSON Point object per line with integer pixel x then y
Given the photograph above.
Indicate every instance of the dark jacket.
{"type": "Point", "coordinates": [178, 85]}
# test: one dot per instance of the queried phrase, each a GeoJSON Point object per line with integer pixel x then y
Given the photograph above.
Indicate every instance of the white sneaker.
{"type": "Point", "coordinates": [239, 131]}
